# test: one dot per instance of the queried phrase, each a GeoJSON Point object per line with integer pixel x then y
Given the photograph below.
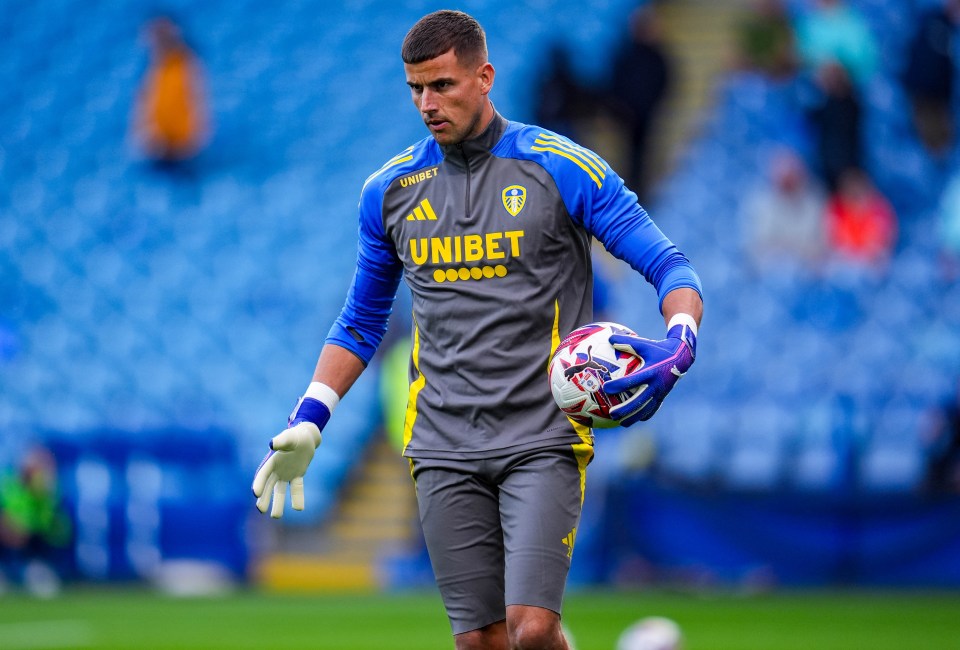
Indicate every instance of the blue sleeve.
{"type": "Point", "coordinates": [363, 320]}
{"type": "Point", "coordinates": [610, 212]}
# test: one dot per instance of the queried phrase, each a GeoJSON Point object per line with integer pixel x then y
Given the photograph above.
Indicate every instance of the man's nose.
{"type": "Point", "coordinates": [428, 101]}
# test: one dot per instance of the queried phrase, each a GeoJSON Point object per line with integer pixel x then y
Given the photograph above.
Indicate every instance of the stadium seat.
{"type": "Point", "coordinates": [105, 261]}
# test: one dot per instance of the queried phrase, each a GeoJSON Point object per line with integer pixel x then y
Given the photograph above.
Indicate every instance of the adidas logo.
{"type": "Point", "coordinates": [423, 212]}
{"type": "Point", "coordinates": [569, 541]}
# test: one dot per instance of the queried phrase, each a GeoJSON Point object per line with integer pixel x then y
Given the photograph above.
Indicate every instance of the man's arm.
{"type": "Point", "coordinates": [292, 450]}
{"type": "Point", "coordinates": [338, 368]}
{"type": "Point", "coordinates": [350, 344]}
{"type": "Point", "coordinates": [682, 301]}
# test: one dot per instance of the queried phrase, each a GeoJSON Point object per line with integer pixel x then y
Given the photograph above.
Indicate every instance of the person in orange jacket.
{"type": "Point", "coordinates": [172, 122]}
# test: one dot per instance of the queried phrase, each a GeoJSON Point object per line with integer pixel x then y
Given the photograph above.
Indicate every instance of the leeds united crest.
{"type": "Point", "coordinates": [514, 197]}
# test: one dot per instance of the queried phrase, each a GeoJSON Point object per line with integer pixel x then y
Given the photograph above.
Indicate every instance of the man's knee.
{"type": "Point", "coordinates": [534, 628]}
{"type": "Point", "coordinates": [491, 637]}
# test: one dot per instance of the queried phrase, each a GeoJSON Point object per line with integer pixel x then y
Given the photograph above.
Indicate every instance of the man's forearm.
{"type": "Point", "coordinates": [682, 301]}
{"type": "Point", "coordinates": [338, 368]}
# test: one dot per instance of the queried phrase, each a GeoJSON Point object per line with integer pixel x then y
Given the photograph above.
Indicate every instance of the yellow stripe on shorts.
{"type": "Point", "coordinates": [584, 453]}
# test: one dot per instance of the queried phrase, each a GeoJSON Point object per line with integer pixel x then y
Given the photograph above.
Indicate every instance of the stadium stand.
{"type": "Point", "coordinates": [154, 302]}
{"type": "Point", "coordinates": [848, 356]}
{"type": "Point", "coordinates": [149, 303]}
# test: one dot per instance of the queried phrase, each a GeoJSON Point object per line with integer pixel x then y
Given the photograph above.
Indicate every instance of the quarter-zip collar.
{"type": "Point", "coordinates": [458, 154]}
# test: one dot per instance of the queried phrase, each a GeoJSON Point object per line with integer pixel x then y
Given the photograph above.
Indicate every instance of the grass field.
{"type": "Point", "coordinates": [137, 619]}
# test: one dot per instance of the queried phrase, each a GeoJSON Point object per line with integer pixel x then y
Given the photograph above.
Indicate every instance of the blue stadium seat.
{"type": "Point", "coordinates": [687, 441]}
{"type": "Point", "coordinates": [756, 448]}
{"type": "Point", "coordinates": [108, 262]}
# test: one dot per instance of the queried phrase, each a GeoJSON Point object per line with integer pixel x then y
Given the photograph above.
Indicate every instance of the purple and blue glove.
{"type": "Point", "coordinates": [664, 362]}
{"type": "Point", "coordinates": [290, 454]}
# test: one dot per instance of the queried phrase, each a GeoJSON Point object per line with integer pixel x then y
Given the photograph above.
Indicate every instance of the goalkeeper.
{"type": "Point", "coordinates": [489, 222]}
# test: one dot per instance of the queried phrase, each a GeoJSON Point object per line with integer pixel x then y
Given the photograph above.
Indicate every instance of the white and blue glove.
{"type": "Point", "coordinates": [664, 363]}
{"type": "Point", "coordinates": [292, 450]}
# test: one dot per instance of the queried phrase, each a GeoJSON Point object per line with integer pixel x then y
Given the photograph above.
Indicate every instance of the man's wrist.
{"type": "Point", "coordinates": [683, 319]}
{"type": "Point", "coordinates": [316, 406]}
{"type": "Point", "coordinates": [684, 327]}
{"type": "Point", "coordinates": [323, 393]}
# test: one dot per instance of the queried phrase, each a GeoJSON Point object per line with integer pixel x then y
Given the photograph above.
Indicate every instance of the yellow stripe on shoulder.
{"type": "Point", "coordinates": [574, 159]}
{"type": "Point", "coordinates": [593, 159]}
{"type": "Point", "coordinates": [400, 158]}
{"type": "Point", "coordinates": [585, 159]}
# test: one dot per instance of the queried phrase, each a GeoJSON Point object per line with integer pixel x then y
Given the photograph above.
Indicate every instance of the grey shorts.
{"type": "Point", "coordinates": [501, 531]}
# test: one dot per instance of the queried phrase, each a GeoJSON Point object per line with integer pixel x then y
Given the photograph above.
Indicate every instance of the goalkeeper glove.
{"type": "Point", "coordinates": [664, 363]}
{"type": "Point", "coordinates": [292, 450]}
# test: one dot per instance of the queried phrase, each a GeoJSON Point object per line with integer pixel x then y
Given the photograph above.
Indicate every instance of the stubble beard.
{"type": "Point", "coordinates": [467, 133]}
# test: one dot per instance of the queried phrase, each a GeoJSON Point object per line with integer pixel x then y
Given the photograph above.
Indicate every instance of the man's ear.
{"type": "Point", "coordinates": [486, 74]}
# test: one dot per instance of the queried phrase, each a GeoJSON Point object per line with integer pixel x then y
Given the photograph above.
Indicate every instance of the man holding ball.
{"type": "Point", "coordinates": [489, 222]}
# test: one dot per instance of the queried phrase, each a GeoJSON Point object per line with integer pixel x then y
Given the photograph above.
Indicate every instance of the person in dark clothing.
{"type": "Point", "coordinates": [836, 119]}
{"type": "Point", "coordinates": [930, 75]}
{"type": "Point", "coordinates": [642, 77]}
{"type": "Point", "coordinates": [943, 445]}
{"type": "Point", "coordinates": [563, 103]}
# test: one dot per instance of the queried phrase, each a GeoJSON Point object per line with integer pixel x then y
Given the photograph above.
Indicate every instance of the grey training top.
{"type": "Point", "coordinates": [492, 236]}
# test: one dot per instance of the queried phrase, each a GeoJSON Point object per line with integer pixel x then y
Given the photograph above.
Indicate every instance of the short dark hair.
{"type": "Point", "coordinates": [437, 33]}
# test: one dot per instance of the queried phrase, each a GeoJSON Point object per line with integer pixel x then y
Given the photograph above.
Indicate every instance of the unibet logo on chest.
{"type": "Point", "coordinates": [457, 249]}
{"type": "Point", "coordinates": [491, 247]}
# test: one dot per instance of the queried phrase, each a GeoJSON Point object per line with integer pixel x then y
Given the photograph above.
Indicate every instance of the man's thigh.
{"type": "Point", "coordinates": [459, 513]}
{"type": "Point", "coordinates": [501, 531]}
{"type": "Point", "coordinates": [540, 504]}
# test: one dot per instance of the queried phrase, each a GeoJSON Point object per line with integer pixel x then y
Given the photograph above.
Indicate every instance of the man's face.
{"type": "Point", "coordinates": [450, 96]}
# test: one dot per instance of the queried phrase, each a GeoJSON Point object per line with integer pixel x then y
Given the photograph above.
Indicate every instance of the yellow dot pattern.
{"type": "Point", "coordinates": [472, 273]}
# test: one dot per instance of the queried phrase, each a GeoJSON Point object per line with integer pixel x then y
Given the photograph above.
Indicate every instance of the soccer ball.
{"type": "Point", "coordinates": [580, 366]}
{"type": "Point", "coordinates": [651, 633]}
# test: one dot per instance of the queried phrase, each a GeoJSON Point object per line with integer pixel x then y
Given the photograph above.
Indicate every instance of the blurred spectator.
{"type": "Point", "coordinates": [943, 446]}
{"type": "Point", "coordinates": [33, 524]}
{"type": "Point", "coordinates": [394, 385]}
{"type": "Point", "coordinates": [950, 226]}
{"type": "Point", "coordinates": [833, 31]}
{"type": "Point", "coordinates": [836, 116]}
{"type": "Point", "coordinates": [562, 102]}
{"type": "Point", "coordinates": [394, 379]}
{"type": "Point", "coordinates": [641, 78]}
{"type": "Point", "coordinates": [861, 223]}
{"type": "Point", "coordinates": [765, 40]}
{"type": "Point", "coordinates": [171, 120]}
{"type": "Point", "coordinates": [930, 74]}
{"type": "Point", "coordinates": [783, 215]}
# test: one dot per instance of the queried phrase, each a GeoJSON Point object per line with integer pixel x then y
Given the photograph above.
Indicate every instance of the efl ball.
{"type": "Point", "coordinates": [651, 633]}
{"type": "Point", "coordinates": [582, 363]}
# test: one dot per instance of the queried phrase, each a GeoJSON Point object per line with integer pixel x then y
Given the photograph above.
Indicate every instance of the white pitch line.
{"type": "Point", "coordinates": [39, 635]}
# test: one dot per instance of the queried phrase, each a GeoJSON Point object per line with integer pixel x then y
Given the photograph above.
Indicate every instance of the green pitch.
{"type": "Point", "coordinates": [128, 619]}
